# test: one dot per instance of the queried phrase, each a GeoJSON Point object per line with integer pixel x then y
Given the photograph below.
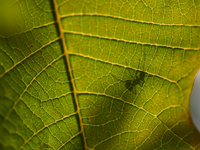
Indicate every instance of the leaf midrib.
{"type": "Point", "coordinates": [62, 36]}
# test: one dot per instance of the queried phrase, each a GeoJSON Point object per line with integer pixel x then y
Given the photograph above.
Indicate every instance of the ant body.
{"type": "Point", "coordinates": [137, 79]}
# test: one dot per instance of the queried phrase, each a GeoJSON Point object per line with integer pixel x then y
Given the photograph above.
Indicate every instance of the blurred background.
{"type": "Point", "coordinates": [195, 102]}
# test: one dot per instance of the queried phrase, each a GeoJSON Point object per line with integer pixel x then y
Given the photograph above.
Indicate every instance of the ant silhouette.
{"type": "Point", "coordinates": [137, 79]}
{"type": "Point", "coordinates": [44, 147]}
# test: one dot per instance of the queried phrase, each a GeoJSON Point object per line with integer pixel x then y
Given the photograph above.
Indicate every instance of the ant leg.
{"type": "Point", "coordinates": [134, 90]}
{"type": "Point", "coordinates": [129, 71]}
{"type": "Point", "coordinates": [141, 83]}
{"type": "Point", "coordinates": [142, 76]}
{"type": "Point", "coordinates": [137, 70]}
{"type": "Point", "coordinates": [117, 78]}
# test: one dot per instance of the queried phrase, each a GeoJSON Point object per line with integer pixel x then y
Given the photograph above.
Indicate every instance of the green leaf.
{"type": "Point", "coordinates": [98, 74]}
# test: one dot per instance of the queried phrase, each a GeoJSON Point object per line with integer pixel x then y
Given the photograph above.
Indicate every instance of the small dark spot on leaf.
{"type": "Point", "coordinates": [44, 147]}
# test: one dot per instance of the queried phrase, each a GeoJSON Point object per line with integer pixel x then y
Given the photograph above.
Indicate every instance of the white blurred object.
{"type": "Point", "coordinates": [195, 102]}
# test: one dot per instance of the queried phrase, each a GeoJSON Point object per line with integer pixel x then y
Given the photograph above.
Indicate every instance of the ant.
{"type": "Point", "coordinates": [44, 147]}
{"type": "Point", "coordinates": [137, 79]}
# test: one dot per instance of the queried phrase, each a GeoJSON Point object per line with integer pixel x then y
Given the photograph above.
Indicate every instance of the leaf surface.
{"type": "Point", "coordinates": [98, 74]}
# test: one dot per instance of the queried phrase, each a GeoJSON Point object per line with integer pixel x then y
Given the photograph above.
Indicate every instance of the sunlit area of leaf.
{"type": "Point", "coordinates": [195, 102]}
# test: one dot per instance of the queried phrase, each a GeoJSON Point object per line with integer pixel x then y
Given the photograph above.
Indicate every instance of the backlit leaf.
{"type": "Point", "coordinates": [98, 74]}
